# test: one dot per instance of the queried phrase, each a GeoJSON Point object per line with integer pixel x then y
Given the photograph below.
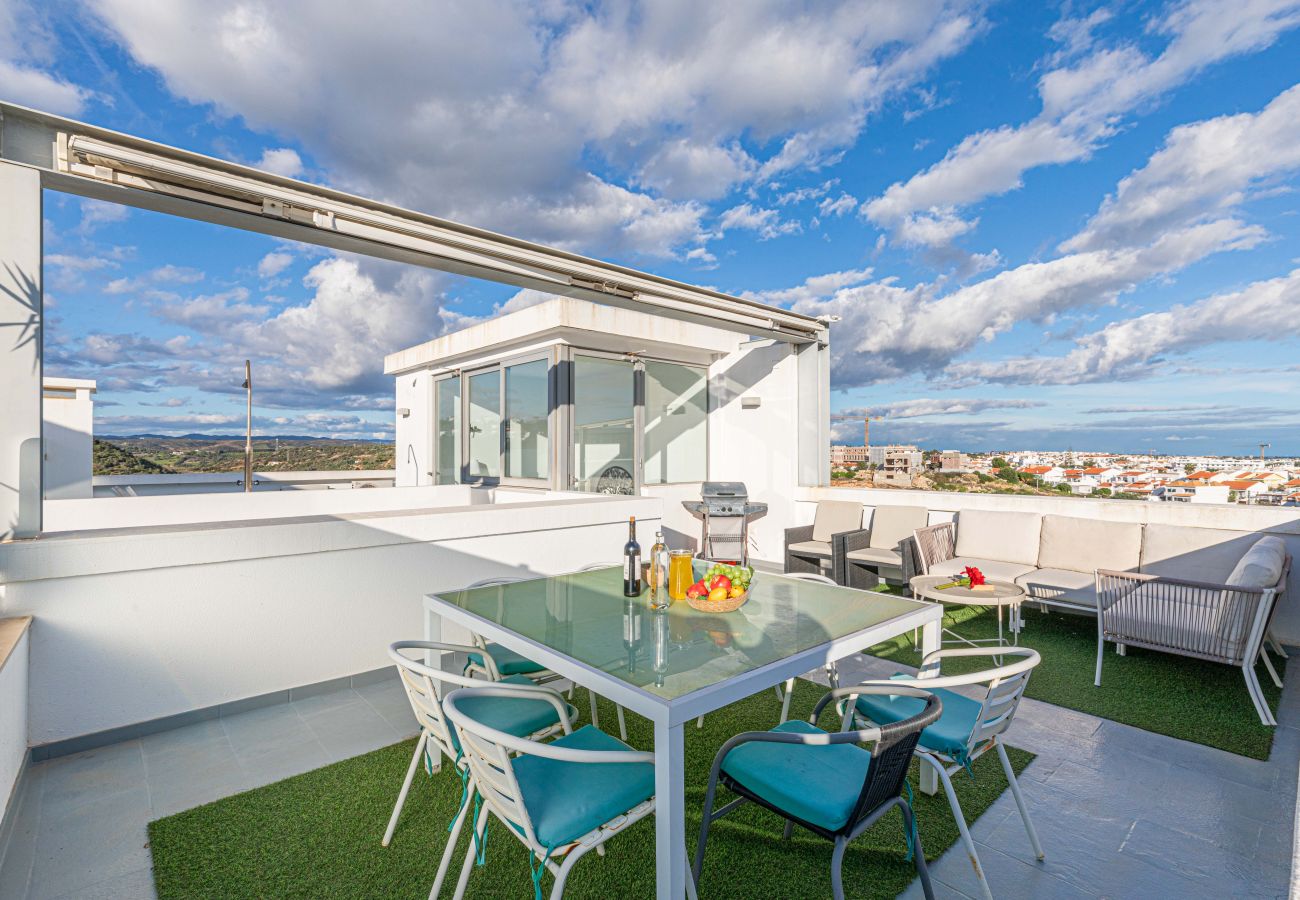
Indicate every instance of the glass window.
{"type": "Point", "coordinates": [448, 419]}
{"type": "Point", "coordinates": [484, 457]}
{"type": "Point", "coordinates": [527, 425]}
{"type": "Point", "coordinates": [676, 415]}
{"type": "Point", "coordinates": [603, 425]}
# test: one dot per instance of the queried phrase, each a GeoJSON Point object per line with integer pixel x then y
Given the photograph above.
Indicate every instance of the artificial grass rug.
{"type": "Point", "coordinates": [1192, 699]}
{"type": "Point", "coordinates": [317, 835]}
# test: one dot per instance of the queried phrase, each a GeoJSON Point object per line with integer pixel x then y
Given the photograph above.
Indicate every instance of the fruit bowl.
{"type": "Point", "coordinates": [735, 586]}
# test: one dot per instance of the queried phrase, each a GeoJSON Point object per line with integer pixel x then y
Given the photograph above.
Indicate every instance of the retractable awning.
{"type": "Point", "coordinates": [95, 162]}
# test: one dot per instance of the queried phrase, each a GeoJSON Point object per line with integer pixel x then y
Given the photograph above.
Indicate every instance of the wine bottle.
{"type": "Point", "coordinates": [659, 573]}
{"type": "Point", "coordinates": [631, 562]}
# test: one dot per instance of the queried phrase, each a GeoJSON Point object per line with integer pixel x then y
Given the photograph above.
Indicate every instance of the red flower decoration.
{"type": "Point", "coordinates": [974, 575]}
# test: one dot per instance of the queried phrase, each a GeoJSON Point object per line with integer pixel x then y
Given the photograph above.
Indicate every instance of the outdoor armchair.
{"type": "Point", "coordinates": [808, 547]}
{"type": "Point", "coordinates": [862, 558]}
{"type": "Point", "coordinates": [560, 800]}
{"type": "Point", "coordinates": [530, 710]}
{"type": "Point", "coordinates": [823, 781]}
{"type": "Point", "coordinates": [967, 729]}
{"type": "Point", "coordinates": [1223, 623]}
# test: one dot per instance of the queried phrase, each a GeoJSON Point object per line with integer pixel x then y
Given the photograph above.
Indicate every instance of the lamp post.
{"type": "Point", "coordinates": [248, 428]}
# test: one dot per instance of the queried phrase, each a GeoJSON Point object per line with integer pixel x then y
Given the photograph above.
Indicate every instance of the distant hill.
{"type": "Point", "coordinates": [162, 454]}
{"type": "Point", "coordinates": [110, 459]}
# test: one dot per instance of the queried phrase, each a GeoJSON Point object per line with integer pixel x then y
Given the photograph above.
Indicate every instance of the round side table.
{"type": "Point", "coordinates": [999, 594]}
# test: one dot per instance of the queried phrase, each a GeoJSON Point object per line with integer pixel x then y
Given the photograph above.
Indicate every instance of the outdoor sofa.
{"type": "Point", "coordinates": [1207, 593]}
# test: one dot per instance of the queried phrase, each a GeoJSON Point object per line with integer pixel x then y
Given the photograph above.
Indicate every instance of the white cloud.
{"type": "Point", "coordinates": [817, 287]}
{"type": "Point", "coordinates": [28, 63]}
{"type": "Point", "coordinates": [767, 222]}
{"type": "Point", "coordinates": [838, 206]}
{"type": "Point", "coordinates": [97, 213]}
{"type": "Point", "coordinates": [501, 113]}
{"type": "Point", "coordinates": [1134, 348]}
{"type": "Point", "coordinates": [273, 264]}
{"type": "Point", "coordinates": [1203, 169]}
{"type": "Point", "coordinates": [1082, 104]}
{"type": "Point", "coordinates": [281, 161]}
{"type": "Point", "coordinates": [683, 170]}
{"type": "Point", "coordinates": [163, 275]}
{"type": "Point", "coordinates": [887, 331]}
{"type": "Point", "coordinates": [926, 406]}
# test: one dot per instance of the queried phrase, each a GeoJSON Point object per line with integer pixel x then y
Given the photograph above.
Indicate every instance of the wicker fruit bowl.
{"type": "Point", "coordinates": [733, 580]}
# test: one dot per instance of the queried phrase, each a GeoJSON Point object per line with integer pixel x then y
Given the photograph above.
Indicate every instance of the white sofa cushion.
{"type": "Point", "coordinates": [1261, 567]}
{"type": "Point", "coordinates": [993, 569]}
{"type": "Point", "coordinates": [1193, 554]}
{"type": "Point", "coordinates": [1062, 585]}
{"type": "Point", "coordinates": [1085, 545]}
{"type": "Point", "coordinates": [893, 524]}
{"type": "Point", "coordinates": [811, 548]}
{"type": "Point", "coordinates": [836, 517]}
{"type": "Point", "coordinates": [1004, 536]}
{"type": "Point", "coordinates": [877, 556]}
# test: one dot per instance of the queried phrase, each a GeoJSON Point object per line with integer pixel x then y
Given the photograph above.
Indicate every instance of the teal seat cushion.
{"type": "Point", "coordinates": [508, 662]}
{"type": "Point", "coordinates": [568, 799]}
{"type": "Point", "coordinates": [817, 784]}
{"type": "Point", "coordinates": [949, 735]}
{"type": "Point", "coordinates": [513, 715]}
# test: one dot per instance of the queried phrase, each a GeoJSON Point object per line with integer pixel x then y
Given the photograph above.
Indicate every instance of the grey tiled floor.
{"type": "Point", "coordinates": [81, 826]}
{"type": "Point", "coordinates": [1121, 812]}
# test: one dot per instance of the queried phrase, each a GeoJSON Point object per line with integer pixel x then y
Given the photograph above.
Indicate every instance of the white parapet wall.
{"type": "Point", "coordinates": [14, 637]}
{"type": "Point", "coordinates": [136, 624]}
{"type": "Point", "coordinates": [146, 485]}
{"type": "Point", "coordinates": [68, 421]}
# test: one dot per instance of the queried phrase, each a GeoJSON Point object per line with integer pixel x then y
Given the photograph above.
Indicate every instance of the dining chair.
{"type": "Point", "coordinates": [832, 671]}
{"type": "Point", "coordinates": [561, 800]}
{"type": "Point", "coordinates": [822, 780]}
{"type": "Point", "coordinates": [968, 728]}
{"type": "Point", "coordinates": [493, 660]}
{"type": "Point", "coordinates": [784, 694]}
{"type": "Point", "coordinates": [531, 711]}
{"type": "Point", "coordinates": [595, 717]}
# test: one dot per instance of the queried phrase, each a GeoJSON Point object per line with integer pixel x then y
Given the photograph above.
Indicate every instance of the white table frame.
{"type": "Point", "coordinates": [669, 716]}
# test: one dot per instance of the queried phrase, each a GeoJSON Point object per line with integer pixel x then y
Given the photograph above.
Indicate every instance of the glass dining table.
{"type": "Point", "coordinates": [676, 665]}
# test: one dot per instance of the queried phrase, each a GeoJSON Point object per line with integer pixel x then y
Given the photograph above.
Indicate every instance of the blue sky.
{"type": "Point", "coordinates": [1042, 225]}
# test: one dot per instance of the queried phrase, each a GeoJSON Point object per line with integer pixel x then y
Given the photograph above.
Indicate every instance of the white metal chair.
{"type": "Point", "coordinates": [595, 716]}
{"type": "Point", "coordinates": [494, 661]}
{"type": "Point", "coordinates": [968, 728]}
{"type": "Point", "coordinates": [531, 711]}
{"type": "Point", "coordinates": [561, 800]}
{"type": "Point", "coordinates": [832, 671]}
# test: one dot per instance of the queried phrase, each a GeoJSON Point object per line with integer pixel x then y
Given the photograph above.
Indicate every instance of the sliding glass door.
{"type": "Point", "coordinates": [604, 425]}
{"type": "Point", "coordinates": [494, 424]}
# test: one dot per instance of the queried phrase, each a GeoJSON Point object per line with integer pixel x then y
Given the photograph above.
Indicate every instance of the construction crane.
{"type": "Point", "coordinates": [866, 424]}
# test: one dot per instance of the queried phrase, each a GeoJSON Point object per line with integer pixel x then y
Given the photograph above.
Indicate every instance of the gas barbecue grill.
{"type": "Point", "coordinates": [724, 512]}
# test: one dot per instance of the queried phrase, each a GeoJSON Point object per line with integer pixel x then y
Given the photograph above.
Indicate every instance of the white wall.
{"type": "Point", "coordinates": [68, 425]}
{"type": "Point", "coordinates": [758, 446]}
{"type": "Point", "coordinates": [136, 625]}
{"type": "Point", "coordinates": [190, 483]}
{"type": "Point", "coordinates": [13, 718]}
{"type": "Point", "coordinates": [413, 434]}
{"type": "Point", "coordinates": [190, 509]}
